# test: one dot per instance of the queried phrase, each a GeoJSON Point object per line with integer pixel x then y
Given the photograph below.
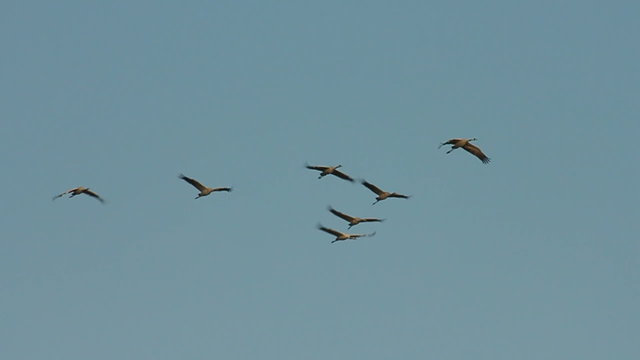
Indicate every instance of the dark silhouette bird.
{"type": "Point", "coordinates": [204, 190]}
{"type": "Point", "coordinates": [340, 236]}
{"type": "Point", "coordinates": [382, 195]}
{"type": "Point", "coordinates": [329, 170]}
{"type": "Point", "coordinates": [467, 145]}
{"type": "Point", "coordinates": [80, 190]}
{"type": "Point", "coordinates": [352, 220]}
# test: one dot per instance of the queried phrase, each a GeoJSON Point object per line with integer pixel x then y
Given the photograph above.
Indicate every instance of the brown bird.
{"type": "Point", "coordinates": [80, 190]}
{"type": "Point", "coordinates": [352, 220]}
{"type": "Point", "coordinates": [342, 236]}
{"type": "Point", "coordinates": [467, 145]}
{"type": "Point", "coordinates": [204, 190]}
{"type": "Point", "coordinates": [383, 194]}
{"type": "Point", "coordinates": [329, 170]}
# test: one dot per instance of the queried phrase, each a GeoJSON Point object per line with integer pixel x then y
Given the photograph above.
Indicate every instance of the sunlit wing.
{"type": "Point", "coordinates": [342, 175]}
{"type": "Point", "coordinates": [330, 231]}
{"type": "Point", "coordinates": [477, 152]}
{"type": "Point", "coordinates": [372, 187]}
{"type": "Point", "coordinates": [91, 193]}
{"type": "Point", "coordinates": [193, 182]}
{"type": "Point", "coordinates": [341, 215]}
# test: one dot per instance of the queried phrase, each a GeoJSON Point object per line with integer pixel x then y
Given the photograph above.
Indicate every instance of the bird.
{"type": "Point", "coordinates": [351, 219]}
{"type": "Point", "coordinates": [381, 193]}
{"type": "Point", "coordinates": [330, 170]}
{"type": "Point", "coordinates": [467, 145]}
{"type": "Point", "coordinates": [80, 190]}
{"type": "Point", "coordinates": [204, 190]}
{"type": "Point", "coordinates": [340, 236]}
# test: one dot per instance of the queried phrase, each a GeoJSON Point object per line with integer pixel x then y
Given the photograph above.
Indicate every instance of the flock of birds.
{"type": "Point", "coordinates": [324, 171]}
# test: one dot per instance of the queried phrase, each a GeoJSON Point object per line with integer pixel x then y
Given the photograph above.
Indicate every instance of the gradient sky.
{"type": "Point", "coordinates": [534, 256]}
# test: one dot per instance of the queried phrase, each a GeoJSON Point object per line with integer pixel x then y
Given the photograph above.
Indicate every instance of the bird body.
{"type": "Point", "coordinates": [340, 236]}
{"type": "Point", "coordinates": [352, 220]}
{"type": "Point", "coordinates": [468, 146]}
{"type": "Point", "coordinates": [80, 190]}
{"type": "Point", "coordinates": [382, 195]}
{"type": "Point", "coordinates": [329, 170]}
{"type": "Point", "coordinates": [204, 190]}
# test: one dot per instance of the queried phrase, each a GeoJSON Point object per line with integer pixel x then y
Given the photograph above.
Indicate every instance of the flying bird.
{"type": "Point", "coordinates": [383, 194]}
{"type": "Point", "coordinates": [467, 145]}
{"type": "Point", "coordinates": [80, 190]}
{"type": "Point", "coordinates": [340, 236]}
{"type": "Point", "coordinates": [352, 220]}
{"type": "Point", "coordinates": [204, 190]}
{"type": "Point", "coordinates": [329, 170]}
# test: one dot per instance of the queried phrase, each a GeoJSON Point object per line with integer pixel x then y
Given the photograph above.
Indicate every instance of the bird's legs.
{"type": "Point", "coordinates": [452, 148]}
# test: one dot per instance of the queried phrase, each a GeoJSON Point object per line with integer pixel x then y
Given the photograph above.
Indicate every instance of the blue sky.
{"type": "Point", "coordinates": [534, 256]}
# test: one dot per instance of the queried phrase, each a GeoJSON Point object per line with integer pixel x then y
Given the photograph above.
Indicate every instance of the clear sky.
{"type": "Point", "coordinates": [533, 256]}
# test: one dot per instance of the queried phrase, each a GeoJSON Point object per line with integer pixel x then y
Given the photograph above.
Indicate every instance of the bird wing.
{"type": "Point", "coordinates": [342, 175]}
{"type": "Point", "coordinates": [57, 196]}
{"type": "Point", "coordinates": [450, 141]}
{"type": "Point", "coordinates": [341, 215]}
{"type": "Point", "coordinates": [330, 231]}
{"type": "Point", "coordinates": [477, 152]}
{"type": "Point", "coordinates": [193, 182]}
{"type": "Point", "coordinates": [355, 236]}
{"type": "Point", "coordinates": [319, 168]}
{"type": "Point", "coordinates": [66, 192]}
{"type": "Point", "coordinates": [91, 193]}
{"type": "Point", "coordinates": [222, 189]}
{"type": "Point", "coordinates": [372, 187]}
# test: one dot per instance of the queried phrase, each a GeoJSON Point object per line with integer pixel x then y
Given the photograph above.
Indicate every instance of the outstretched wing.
{"type": "Point", "coordinates": [355, 236]}
{"type": "Point", "coordinates": [342, 175]}
{"type": "Point", "coordinates": [372, 187]}
{"type": "Point", "coordinates": [396, 195]}
{"type": "Point", "coordinates": [193, 182]}
{"type": "Point", "coordinates": [66, 192]}
{"type": "Point", "coordinates": [371, 220]}
{"type": "Point", "coordinates": [319, 168]}
{"type": "Point", "coordinates": [330, 231]}
{"type": "Point", "coordinates": [477, 152]}
{"type": "Point", "coordinates": [222, 189]}
{"type": "Point", "coordinates": [341, 215]}
{"type": "Point", "coordinates": [449, 142]}
{"type": "Point", "coordinates": [92, 194]}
